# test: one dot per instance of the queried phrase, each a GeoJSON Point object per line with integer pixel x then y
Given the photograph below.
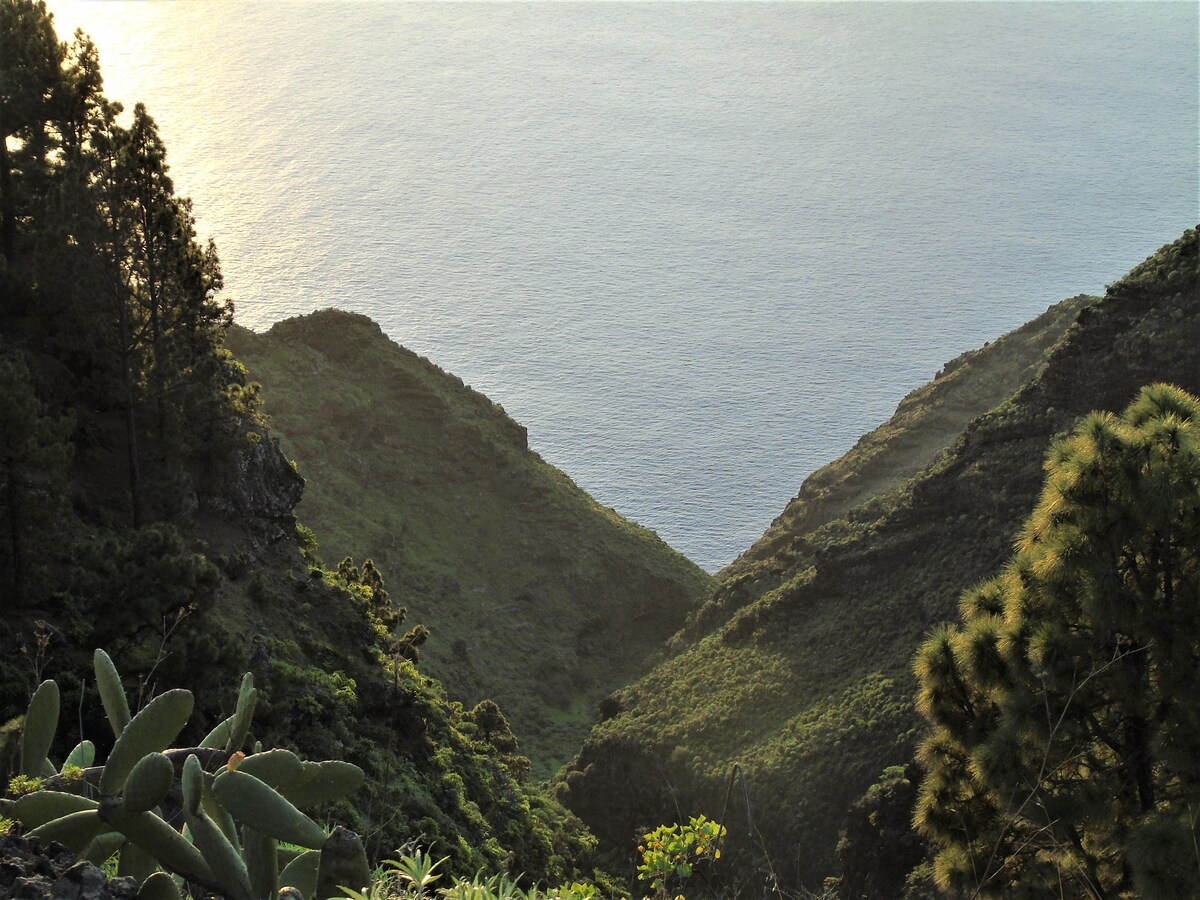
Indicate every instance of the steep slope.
{"type": "Point", "coordinates": [535, 595]}
{"type": "Point", "coordinates": [803, 678]}
{"type": "Point", "coordinates": [222, 587]}
{"type": "Point", "coordinates": [927, 422]}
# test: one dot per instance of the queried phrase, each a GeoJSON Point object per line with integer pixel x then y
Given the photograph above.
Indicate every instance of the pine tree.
{"type": "Point", "coordinates": [30, 77]}
{"type": "Point", "coordinates": [1064, 757]}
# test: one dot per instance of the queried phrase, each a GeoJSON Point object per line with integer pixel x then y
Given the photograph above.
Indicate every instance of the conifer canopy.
{"type": "Point", "coordinates": [1065, 740]}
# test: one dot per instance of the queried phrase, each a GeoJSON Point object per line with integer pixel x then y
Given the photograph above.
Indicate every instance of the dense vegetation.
{"type": "Point", "coordinates": [535, 595]}
{"type": "Point", "coordinates": [145, 507]}
{"type": "Point", "coordinates": [799, 669]}
{"type": "Point", "coordinates": [216, 815]}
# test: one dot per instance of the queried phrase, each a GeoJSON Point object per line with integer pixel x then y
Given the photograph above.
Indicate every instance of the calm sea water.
{"type": "Point", "coordinates": [697, 248]}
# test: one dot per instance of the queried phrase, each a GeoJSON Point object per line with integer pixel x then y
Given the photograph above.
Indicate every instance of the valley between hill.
{"type": "Point", "coordinates": [536, 595]}
{"type": "Point", "coordinates": [148, 504]}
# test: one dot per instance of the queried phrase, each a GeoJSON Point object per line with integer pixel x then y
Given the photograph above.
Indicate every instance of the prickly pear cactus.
{"type": "Point", "coordinates": [233, 808]}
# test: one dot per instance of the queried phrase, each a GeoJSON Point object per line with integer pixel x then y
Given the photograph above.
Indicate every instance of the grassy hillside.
{"type": "Point", "coordinates": [535, 595]}
{"type": "Point", "coordinates": [799, 669]}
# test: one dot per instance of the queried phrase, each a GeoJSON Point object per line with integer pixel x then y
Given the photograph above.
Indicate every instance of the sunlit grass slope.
{"type": "Point", "coordinates": [799, 668]}
{"type": "Point", "coordinates": [536, 595]}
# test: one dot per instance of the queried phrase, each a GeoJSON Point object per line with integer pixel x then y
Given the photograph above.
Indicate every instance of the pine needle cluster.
{"type": "Point", "coordinates": [1064, 755]}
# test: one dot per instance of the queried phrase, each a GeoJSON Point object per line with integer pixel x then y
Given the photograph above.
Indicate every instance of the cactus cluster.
{"type": "Point", "coordinates": [211, 815]}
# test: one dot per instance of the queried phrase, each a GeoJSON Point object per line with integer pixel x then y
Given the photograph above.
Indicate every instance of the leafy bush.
{"type": "Point", "coordinates": [411, 876]}
{"type": "Point", "coordinates": [670, 853]}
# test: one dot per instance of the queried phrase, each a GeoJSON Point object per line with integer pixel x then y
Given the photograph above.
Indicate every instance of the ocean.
{"type": "Point", "coordinates": [697, 249]}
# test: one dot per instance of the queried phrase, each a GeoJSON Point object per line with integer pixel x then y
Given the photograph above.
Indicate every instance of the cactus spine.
{"type": "Point", "coordinates": [150, 731]}
{"type": "Point", "coordinates": [257, 804]}
{"type": "Point", "coordinates": [262, 862]}
{"type": "Point", "coordinates": [148, 783]}
{"type": "Point", "coordinates": [342, 862]}
{"type": "Point", "coordinates": [159, 886]}
{"type": "Point", "coordinates": [156, 837]}
{"type": "Point", "coordinates": [278, 768]}
{"type": "Point", "coordinates": [242, 714]}
{"type": "Point", "coordinates": [74, 831]}
{"type": "Point", "coordinates": [301, 873]}
{"type": "Point", "coordinates": [219, 736]}
{"type": "Point", "coordinates": [225, 860]}
{"type": "Point", "coordinates": [41, 807]}
{"type": "Point", "coordinates": [103, 846]}
{"type": "Point", "coordinates": [322, 782]}
{"type": "Point", "coordinates": [82, 756]}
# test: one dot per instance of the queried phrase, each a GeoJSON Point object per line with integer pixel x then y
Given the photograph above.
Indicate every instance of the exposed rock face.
{"type": "Point", "coordinates": [265, 485]}
{"type": "Point", "coordinates": [31, 871]}
{"type": "Point", "coordinates": [259, 487]}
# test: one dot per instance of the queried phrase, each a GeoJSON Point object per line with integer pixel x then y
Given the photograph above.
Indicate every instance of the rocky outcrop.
{"type": "Point", "coordinates": [259, 487]}
{"type": "Point", "coordinates": [30, 870]}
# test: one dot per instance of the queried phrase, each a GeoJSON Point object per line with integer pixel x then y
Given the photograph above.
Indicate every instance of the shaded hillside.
{"type": "Point", "coordinates": [535, 595]}
{"type": "Point", "coordinates": [804, 679]}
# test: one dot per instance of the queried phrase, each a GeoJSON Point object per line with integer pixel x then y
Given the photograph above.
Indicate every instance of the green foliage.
{"type": "Point", "coordinates": [113, 402]}
{"type": "Point", "coordinates": [879, 849]}
{"type": "Point", "coordinates": [20, 785]}
{"type": "Point", "coordinates": [141, 457]}
{"type": "Point", "coordinates": [1063, 751]}
{"type": "Point", "coordinates": [670, 853]}
{"type": "Point", "coordinates": [34, 456]}
{"type": "Point", "coordinates": [322, 695]}
{"type": "Point", "coordinates": [71, 775]}
{"type": "Point", "coordinates": [307, 541]}
{"type": "Point", "coordinates": [411, 877]}
{"type": "Point", "coordinates": [366, 586]}
{"type": "Point", "coordinates": [416, 871]}
{"type": "Point", "coordinates": [138, 579]}
{"type": "Point", "coordinates": [137, 780]}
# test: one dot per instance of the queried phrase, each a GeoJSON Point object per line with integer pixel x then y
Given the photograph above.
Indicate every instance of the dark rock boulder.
{"type": "Point", "coordinates": [30, 870]}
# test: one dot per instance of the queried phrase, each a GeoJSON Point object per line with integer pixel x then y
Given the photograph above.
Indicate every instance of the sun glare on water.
{"type": "Point", "coordinates": [181, 60]}
{"type": "Point", "coordinates": [120, 31]}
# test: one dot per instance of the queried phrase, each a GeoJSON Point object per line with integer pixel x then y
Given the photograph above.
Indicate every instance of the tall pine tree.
{"type": "Point", "coordinates": [1064, 758]}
